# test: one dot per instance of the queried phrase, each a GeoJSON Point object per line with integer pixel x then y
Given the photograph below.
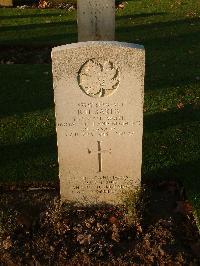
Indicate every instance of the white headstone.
{"type": "Point", "coordinates": [96, 20]}
{"type": "Point", "coordinates": [98, 88]}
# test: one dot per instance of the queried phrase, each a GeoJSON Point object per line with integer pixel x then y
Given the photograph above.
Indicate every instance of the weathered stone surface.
{"type": "Point", "coordinates": [96, 20]}
{"type": "Point", "coordinates": [6, 3]}
{"type": "Point", "coordinates": [98, 89]}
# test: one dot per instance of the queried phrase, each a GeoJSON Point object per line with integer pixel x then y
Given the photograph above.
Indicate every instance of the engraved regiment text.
{"type": "Point", "coordinates": [99, 119]}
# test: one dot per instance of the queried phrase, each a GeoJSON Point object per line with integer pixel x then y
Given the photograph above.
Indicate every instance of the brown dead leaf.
{"type": "Point", "coordinates": [83, 239]}
{"type": "Point", "coordinates": [115, 233]}
{"type": "Point", "coordinates": [7, 243]}
{"type": "Point", "coordinates": [113, 220]}
{"type": "Point", "coordinates": [121, 6]}
{"type": "Point", "coordinates": [161, 251]}
{"type": "Point", "coordinates": [150, 258]}
{"type": "Point", "coordinates": [138, 228]}
{"type": "Point", "coordinates": [180, 105]}
{"type": "Point", "coordinates": [43, 4]}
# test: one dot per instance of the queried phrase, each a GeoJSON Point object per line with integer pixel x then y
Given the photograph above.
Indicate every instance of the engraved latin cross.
{"type": "Point", "coordinates": [100, 152]}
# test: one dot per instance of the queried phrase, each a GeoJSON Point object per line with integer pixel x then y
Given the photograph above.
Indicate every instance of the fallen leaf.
{"type": "Point", "coordinates": [113, 220]}
{"type": "Point", "coordinates": [7, 243]}
{"type": "Point", "coordinates": [161, 251]}
{"type": "Point", "coordinates": [115, 233]}
{"type": "Point", "coordinates": [43, 4]}
{"type": "Point", "coordinates": [138, 228]}
{"type": "Point", "coordinates": [83, 239]}
{"type": "Point", "coordinates": [180, 105]}
{"type": "Point", "coordinates": [121, 6]}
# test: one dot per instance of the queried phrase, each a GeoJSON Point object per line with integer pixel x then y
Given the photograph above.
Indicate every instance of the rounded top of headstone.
{"type": "Point", "coordinates": [98, 43]}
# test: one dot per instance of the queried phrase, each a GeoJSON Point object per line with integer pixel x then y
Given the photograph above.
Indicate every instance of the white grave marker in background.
{"type": "Point", "coordinates": [96, 20]}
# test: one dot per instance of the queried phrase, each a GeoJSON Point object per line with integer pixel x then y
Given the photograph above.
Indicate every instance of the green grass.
{"type": "Point", "coordinates": [170, 32]}
{"type": "Point", "coordinates": [37, 27]}
{"type": "Point", "coordinates": [27, 131]}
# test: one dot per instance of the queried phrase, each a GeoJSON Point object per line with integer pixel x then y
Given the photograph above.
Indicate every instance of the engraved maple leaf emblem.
{"type": "Point", "coordinates": [98, 79]}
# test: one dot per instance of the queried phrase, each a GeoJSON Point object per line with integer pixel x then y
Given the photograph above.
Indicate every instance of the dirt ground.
{"type": "Point", "coordinates": [37, 230]}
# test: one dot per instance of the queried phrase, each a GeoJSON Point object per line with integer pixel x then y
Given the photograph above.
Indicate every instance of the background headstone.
{"type": "Point", "coordinates": [6, 3]}
{"type": "Point", "coordinates": [98, 88]}
{"type": "Point", "coordinates": [96, 20]}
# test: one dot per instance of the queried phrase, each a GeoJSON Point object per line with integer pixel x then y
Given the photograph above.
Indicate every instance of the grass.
{"type": "Point", "coordinates": [27, 132]}
{"type": "Point", "coordinates": [168, 29]}
{"type": "Point", "coordinates": [37, 26]}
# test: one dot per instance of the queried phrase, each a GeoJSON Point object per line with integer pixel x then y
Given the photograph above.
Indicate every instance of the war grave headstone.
{"type": "Point", "coordinates": [98, 90]}
{"type": "Point", "coordinates": [96, 20]}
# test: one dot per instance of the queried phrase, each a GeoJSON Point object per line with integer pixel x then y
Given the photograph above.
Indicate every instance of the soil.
{"type": "Point", "coordinates": [36, 229]}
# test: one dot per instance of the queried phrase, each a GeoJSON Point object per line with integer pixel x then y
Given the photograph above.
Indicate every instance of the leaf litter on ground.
{"type": "Point", "coordinates": [36, 229]}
